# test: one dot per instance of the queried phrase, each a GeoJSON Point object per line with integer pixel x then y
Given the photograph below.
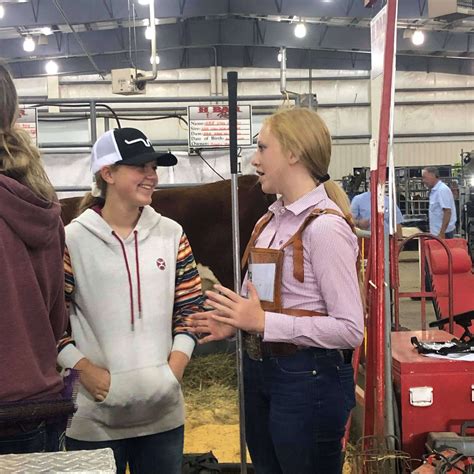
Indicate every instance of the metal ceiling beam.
{"type": "Point", "coordinates": [241, 32]}
{"type": "Point", "coordinates": [21, 14]}
{"type": "Point", "coordinates": [78, 39]}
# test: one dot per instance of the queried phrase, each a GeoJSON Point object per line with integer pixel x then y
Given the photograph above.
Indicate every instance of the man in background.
{"type": "Point", "coordinates": [442, 212]}
{"type": "Point", "coordinates": [360, 207]}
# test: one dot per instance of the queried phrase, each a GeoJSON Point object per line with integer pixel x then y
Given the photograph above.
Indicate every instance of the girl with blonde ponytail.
{"type": "Point", "coordinates": [32, 290]}
{"type": "Point", "coordinates": [302, 315]}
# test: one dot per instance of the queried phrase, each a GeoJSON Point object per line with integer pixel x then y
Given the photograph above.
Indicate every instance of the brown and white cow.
{"type": "Point", "coordinates": [204, 211]}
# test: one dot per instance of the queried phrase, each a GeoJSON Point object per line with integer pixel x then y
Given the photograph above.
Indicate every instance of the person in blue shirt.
{"type": "Point", "coordinates": [442, 212]}
{"type": "Point", "coordinates": [360, 207]}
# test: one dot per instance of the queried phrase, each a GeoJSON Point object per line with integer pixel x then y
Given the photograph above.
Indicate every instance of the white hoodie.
{"type": "Point", "coordinates": [144, 396]}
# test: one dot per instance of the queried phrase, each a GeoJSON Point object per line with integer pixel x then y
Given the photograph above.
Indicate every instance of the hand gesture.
{"type": "Point", "coordinates": [235, 310]}
{"type": "Point", "coordinates": [204, 323]}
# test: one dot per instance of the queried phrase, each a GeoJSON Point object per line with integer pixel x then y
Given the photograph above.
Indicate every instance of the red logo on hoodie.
{"type": "Point", "coordinates": [161, 264]}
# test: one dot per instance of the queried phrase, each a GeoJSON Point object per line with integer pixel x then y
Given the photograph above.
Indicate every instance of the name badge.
{"type": "Point", "coordinates": [263, 275]}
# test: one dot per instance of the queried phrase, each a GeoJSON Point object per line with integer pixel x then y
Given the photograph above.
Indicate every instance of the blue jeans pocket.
{"type": "Point", "coordinates": [298, 364]}
{"type": "Point", "coordinates": [33, 441]}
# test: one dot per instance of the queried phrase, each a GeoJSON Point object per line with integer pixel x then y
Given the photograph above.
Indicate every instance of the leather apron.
{"type": "Point", "coordinates": [265, 267]}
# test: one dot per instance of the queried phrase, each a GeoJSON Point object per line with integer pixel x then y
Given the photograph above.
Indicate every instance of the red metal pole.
{"type": "Point", "coordinates": [377, 217]}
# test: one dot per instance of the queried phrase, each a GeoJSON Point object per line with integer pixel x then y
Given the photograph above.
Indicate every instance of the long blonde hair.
{"type": "Point", "coordinates": [304, 133]}
{"type": "Point", "coordinates": [19, 157]}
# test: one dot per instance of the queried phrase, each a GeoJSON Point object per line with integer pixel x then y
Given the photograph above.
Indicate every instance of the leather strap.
{"type": "Point", "coordinates": [296, 240]}
{"type": "Point", "coordinates": [259, 226]}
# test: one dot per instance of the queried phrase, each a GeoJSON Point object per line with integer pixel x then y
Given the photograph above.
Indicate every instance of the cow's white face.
{"type": "Point", "coordinates": [133, 186]}
{"type": "Point", "coordinates": [272, 163]}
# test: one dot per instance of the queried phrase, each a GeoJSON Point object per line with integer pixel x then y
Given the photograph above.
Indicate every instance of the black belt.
{"type": "Point", "coordinates": [346, 355]}
{"type": "Point", "coordinates": [280, 349]}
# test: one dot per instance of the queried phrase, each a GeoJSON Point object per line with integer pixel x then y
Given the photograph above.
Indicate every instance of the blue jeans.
{"type": "Point", "coordinates": [161, 453]}
{"type": "Point", "coordinates": [40, 438]}
{"type": "Point", "coordinates": [296, 409]}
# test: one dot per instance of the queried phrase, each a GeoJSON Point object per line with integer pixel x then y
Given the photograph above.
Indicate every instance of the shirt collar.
{"type": "Point", "coordinates": [311, 199]}
{"type": "Point", "coordinates": [436, 186]}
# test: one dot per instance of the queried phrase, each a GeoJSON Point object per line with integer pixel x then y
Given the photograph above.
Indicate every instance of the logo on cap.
{"type": "Point", "coordinates": [131, 142]}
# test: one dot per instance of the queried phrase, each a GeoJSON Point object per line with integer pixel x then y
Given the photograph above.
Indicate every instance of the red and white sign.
{"type": "Point", "coordinates": [28, 121]}
{"type": "Point", "coordinates": [209, 126]}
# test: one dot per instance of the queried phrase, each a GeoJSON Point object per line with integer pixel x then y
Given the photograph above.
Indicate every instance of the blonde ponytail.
{"type": "Point", "coordinates": [338, 195]}
{"type": "Point", "coordinates": [96, 197]}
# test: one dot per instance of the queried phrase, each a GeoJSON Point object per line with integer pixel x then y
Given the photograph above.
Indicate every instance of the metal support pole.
{"type": "Point", "coordinates": [283, 70]}
{"type": "Point", "coordinates": [93, 122]}
{"type": "Point", "coordinates": [232, 86]}
{"type": "Point", "coordinates": [389, 418]}
{"type": "Point", "coordinates": [376, 410]}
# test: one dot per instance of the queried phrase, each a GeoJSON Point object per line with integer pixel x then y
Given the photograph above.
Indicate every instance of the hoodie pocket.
{"type": "Point", "coordinates": [137, 397]}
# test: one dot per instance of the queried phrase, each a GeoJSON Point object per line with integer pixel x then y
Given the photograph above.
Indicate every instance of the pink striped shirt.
{"type": "Point", "coordinates": [330, 277]}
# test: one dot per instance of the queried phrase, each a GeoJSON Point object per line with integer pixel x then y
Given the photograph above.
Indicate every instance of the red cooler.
{"type": "Point", "coordinates": [433, 394]}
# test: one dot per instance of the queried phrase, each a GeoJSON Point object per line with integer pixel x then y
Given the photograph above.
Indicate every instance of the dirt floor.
{"type": "Point", "coordinates": [210, 385]}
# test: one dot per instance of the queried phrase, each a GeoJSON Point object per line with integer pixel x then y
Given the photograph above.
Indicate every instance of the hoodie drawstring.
{"type": "Point", "coordinates": [137, 263]}
{"type": "Point", "coordinates": [132, 310]}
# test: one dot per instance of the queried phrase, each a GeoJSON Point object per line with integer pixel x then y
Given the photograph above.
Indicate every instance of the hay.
{"type": "Point", "coordinates": [212, 411]}
{"type": "Point", "coordinates": [216, 404]}
{"type": "Point", "coordinates": [208, 370]}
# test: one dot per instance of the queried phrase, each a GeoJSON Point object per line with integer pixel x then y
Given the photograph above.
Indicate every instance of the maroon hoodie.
{"type": "Point", "coordinates": [32, 310]}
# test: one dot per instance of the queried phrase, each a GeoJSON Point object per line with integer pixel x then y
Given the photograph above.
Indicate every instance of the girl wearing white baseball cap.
{"type": "Point", "coordinates": [131, 279]}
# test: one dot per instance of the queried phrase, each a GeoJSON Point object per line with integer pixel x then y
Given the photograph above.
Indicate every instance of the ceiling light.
{"type": "Point", "coordinates": [418, 37]}
{"type": "Point", "coordinates": [157, 58]}
{"type": "Point", "coordinates": [149, 32]}
{"type": "Point", "coordinates": [300, 30]}
{"type": "Point", "coordinates": [51, 68]}
{"type": "Point", "coordinates": [144, 2]}
{"type": "Point", "coordinates": [46, 30]}
{"type": "Point", "coordinates": [29, 44]}
{"type": "Point", "coordinates": [2, 11]}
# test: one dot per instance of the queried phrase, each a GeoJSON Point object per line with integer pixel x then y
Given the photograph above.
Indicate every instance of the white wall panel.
{"type": "Point", "coordinates": [347, 156]}
{"type": "Point", "coordinates": [410, 119]}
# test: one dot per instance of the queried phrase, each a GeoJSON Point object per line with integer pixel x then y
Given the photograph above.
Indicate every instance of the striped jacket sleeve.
{"type": "Point", "coordinates": [69, 285]}
{"type": "Point", "coordinates": [188, 296]}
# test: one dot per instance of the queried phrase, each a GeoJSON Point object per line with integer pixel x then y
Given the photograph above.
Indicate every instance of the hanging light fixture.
{"type": "Point", "coordinates": [51, 68]}
{"type": "Point", "coordinates": [29, 44]}
{"type": "Point", "coordinates": [418, 37]}
{"type": "Point", "coordinates": [300, 30]}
